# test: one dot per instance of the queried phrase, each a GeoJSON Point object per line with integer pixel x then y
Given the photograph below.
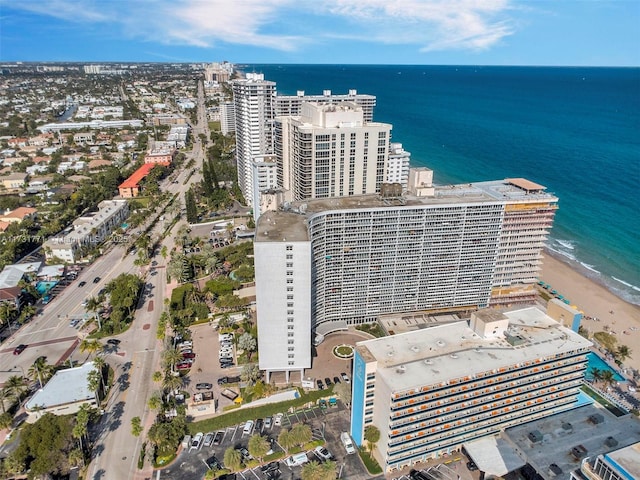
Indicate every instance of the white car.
{"type": "Point", "coordinates": [277, 420]}
{"type": "Point", "coordinates": [225, 337]}
{"type": "Point", "coordinates": [226, 353]}
{"type": "Point", "coordinates": [196, 441]}
{"type": "Point", "coordinates": [248, 427]}
{"type": "Point", "coordinates": [322, 453]}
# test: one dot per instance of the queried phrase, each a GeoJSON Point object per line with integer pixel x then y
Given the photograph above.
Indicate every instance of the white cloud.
{"type": "Point", "coordinates": [427, 24]}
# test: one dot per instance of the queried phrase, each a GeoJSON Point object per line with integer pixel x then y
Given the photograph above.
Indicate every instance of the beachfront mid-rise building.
{"type": "Point", "coordinates": [398, 165]}
{"type": "Point", "coordinates": [431, 391]}
{"type": "Point", "coordinates": [329, 150]}
{"type": "Point", "coordinates": [291, 105]}
{"type": "Point", "coordinates": [227, 118]}
{"type": "Point", "coordinates": [372, 255]}
{"type": "Point", "coordinates": [265, 180]}
{"type": "Point", "coordinates": [253, 109]}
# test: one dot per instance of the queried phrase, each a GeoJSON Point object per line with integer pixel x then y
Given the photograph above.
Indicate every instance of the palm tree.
{"type": "Point", "coordinates": [155, 402]}
{"type": "Point", "coordinates": [95, 305]}
{"type": "Point", "coordinates": [93, 381]}
{"type": "Point", "coordinates": [91, 346]}
{"type": "Point", "coordinates": [8, 313]}
{"type": "Point", "coordinates": [328, 470]}
{"type": "Point", "coordinates": [232, 459]}
{"type": "Point", "coordinates": [371, 435]}
{"type": "Point", "coordinates": [311, 471]}
{"type": "Point", "coordinates": [14, 386]}
{"type": "Point", "coordinates": [171, 356]}
{"type": "Point", "coordinates": [608, 378]}
{"type": "Point", "coordinates": [258, 446]}
{"type": "Point", "coordinates": [172, 382]}
{"type": "Point", "coordinates": [622, 353]}
{"type": "Point", "coordinates": [100, 363]}
{"type": "Point", "coordinates": [286, 440]}
{"type": "Point", "coordinates": [596, 374]}
{"type": "Point", "coordinates": [4, 395]}
{"type": "Point", "coordinates": [40, 369]}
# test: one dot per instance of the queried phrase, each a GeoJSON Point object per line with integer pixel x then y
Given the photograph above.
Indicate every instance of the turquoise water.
{"type": "Point", "coordinates": [44, 287]}
{"type": "Point", "coordinates": [574, 130]}
{"type": "Point", "coordinates": [594, 361]}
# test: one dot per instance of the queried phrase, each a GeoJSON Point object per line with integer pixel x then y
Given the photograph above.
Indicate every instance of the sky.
{"type": "Point", "coordinates": [436, 32]}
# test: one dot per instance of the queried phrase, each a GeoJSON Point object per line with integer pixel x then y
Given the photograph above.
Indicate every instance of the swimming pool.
{"type": "Point", "coordinates": [594, 361]}
{"type": "Point", "coordinates": [44, 287]}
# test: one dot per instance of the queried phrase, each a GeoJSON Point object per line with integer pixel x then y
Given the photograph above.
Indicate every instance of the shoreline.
{"type": "Point", "coordinates": [596, 301]}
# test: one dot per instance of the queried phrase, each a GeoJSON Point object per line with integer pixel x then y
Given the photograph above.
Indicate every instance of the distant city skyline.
{"type": "Point", "coordinates": [491, 32]}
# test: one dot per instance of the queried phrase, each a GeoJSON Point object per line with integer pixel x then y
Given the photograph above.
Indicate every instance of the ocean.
{"type": "Point", "coordinates": [574, 130]}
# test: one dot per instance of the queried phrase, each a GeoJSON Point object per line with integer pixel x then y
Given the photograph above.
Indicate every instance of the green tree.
{"type": "Point", "coordinates": [250, 373]}
{"type": "Point", "coordinates": [90, 346]}
{"type": "Point", "coordinates": [6, 420]}
{"type": "Point", "coordinates": [8, 313]}
{"type": "Point", "coordinates": [155, 402]}
{"type": "Point", "coordinates": [248, 343]}
{"type": "Point", "coordinates": [258, 446]}
{"type": "Point", "coordinates": [232, 459]}
{"type": "Point", "coordinates": [222, 285]}
{"type": "Point", "coordinates": [622, 353]}
{"type": "Point", "coordinates": [301, 433]}
{"type": "Point", "coordinates": [170, 357]}
{"type": "Point", "coordinates": [608, 378]}
{"type": "Point", "coordinates": [311, 471]}
{"type": "Point", "coordinates": [596, 374]}
{"type": "Point", "coordinates": [190, 205]}
{"type": "Point", "coordinates": [136, 426]}
{"type": "Point", "coordinates": [40, 370]}
{"type": "Point", "coordinates": [100, 363]}
{"type": "Point", "coordinates": [157, 376]}
{"type": "Point", "coordinates": [371, 435]}
{"type": "Point", "coordinates": [15, 386]}
{"type": "Point", "coordinates": [286, 440]}
{"type": "Point", "coordinates": [94, 305]}
{"type": "Point", "coordinates": [93, 382]}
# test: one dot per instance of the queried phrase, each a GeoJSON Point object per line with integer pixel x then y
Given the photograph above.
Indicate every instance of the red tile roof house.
{"type": "Point", "coordinates": [131, 186]}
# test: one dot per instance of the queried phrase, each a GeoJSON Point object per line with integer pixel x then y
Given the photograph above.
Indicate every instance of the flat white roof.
{"type": "Point", "coordinates": [66, 386]}
{"type": "Point", "coordinates": [494, 455]}
{"type": "Point", "coordinates": [627, 458]}
{"type": "Point", "coordinates": [436, 354]}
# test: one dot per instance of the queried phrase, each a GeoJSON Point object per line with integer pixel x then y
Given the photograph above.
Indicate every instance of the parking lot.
{"type": "Point", "coordinates": [192, 464]}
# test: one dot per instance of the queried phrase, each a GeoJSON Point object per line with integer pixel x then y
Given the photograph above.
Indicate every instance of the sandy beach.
{"type": "Point", "coordinates": [598, 302]}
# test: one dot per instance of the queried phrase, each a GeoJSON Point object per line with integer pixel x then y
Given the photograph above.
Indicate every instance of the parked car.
{"type": "Point", "coordinates": [270, 467]}
{"type": "Point", "coordinates": [203, 386]}
{"type": "Point", "coordinates": [226, 365]}
{"type": "Point", "coordinates": [277, 420]}
{"type": "Point", "coordinates": [248, 427]}
{"type": "Point", "coordinates": [328, 382]}
{"type": "Point", "coordinates": [217, 438]}
{"type": "Point", "coordinates": [19, 349]}
{"type": "Point", "coordinates": [322, 453]}
{"type": "Point", "coordinates": [296, 460]}
{"type": "Point", "coordinates": [196, 441]}
{"type": "Point", "coordinates": [245, 453]}
{"type": "Point", "coordinates": [259, 425]}
{"type": "Point", "coordinates": [188, 355]}
{"type": "Point", "coordinates": [268, 422]}
{"type": "Point", "coordinates": [345, 377]}
{"type": "Point", "coordinates": [320, 384]}
{"type": "Point", "coordinates": [336, 380]}
{"type": "Point", "coordinates": [113, 341]}
{"type": "Point", "coordinates": [183, 366]}
{"type": "Point", "coordinates": [208, 439]}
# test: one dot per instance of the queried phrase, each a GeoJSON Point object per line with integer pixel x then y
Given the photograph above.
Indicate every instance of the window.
{"type": "Point", "coordinates": [290, 342]}
{"type": "Point", "coordinates": [291, 349]}
{"type": "Point", "coordinates": [290, 334]}
{"type": "Point", "coordinates": [291, 355]}
{"type": "Point", "coordinates": [289, 248]}
{"type": "Point", "coordinates": [289, 327]}
{"type": "Point", "coordinates": [292, 363]}
{"type": "Point", "coordinates": [290, 280]}
{"type": "Point", "coordinates": [289, 297]}
{"type": "Point", "coordinates": [289, 256]}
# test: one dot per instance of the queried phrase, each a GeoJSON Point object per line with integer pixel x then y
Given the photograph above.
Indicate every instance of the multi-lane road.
{"type": "Point", "coordinates": [137, 356]}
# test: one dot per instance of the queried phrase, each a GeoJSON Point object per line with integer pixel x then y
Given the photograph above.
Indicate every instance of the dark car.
{"type": "Point", "coordinates": [204, 386]}
{"type": "Point", "coordinates": [416, 475]}
{"type": "Point", "coordinates": [113, 341]}
{"type": "Point", "coordinates": [259, 425]}
{"type": "Point", "coordinates": [213, 463]}
{"type": "Point", "coordinates": [96, 280]}
{"type": "Point", "coordinates": [269, 467]}
{"type": "Point", "coordinates": [223, 380]}
{"type": "Point", "coordinates": [320, 384]}
{"type": "Point", "coordinates": [336, 380]}
{"type": "Point", "coordinates": [225, 360]}
{"type": "Point", "coordinates": [183, 366]}
{"type": "Point", "coordinates": [217, 439]}
{"type": "Point", "coordinates": [19, 349]}
{"type": "Point", "coordinates": [472, 466]}
{"type": "Point", "coordinates": [82, 283]}
{"type": "Point", "coordinates": [226, 365]}
{"type": "Point", "coordinates": [328, 382]}
{"type": "Point", "coordinates": [188, 355]}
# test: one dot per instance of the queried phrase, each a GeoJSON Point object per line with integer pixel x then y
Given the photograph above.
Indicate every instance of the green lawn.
{"type": "Point", "coordinates": [235, 417]}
